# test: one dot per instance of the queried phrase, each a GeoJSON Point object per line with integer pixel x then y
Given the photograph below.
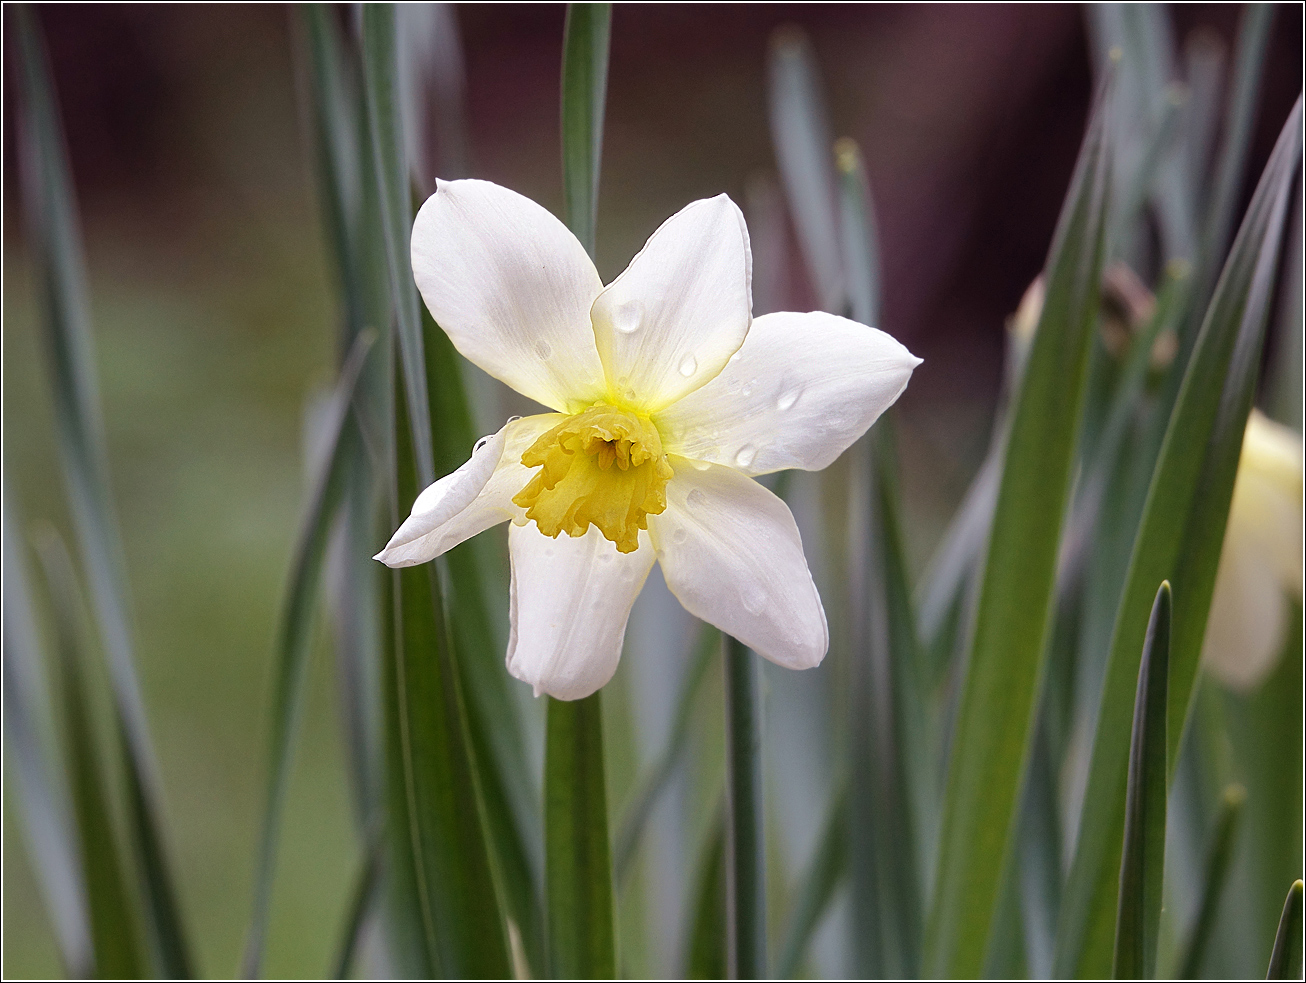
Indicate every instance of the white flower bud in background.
{"type": "Point", "coordinates": [1261, 563]}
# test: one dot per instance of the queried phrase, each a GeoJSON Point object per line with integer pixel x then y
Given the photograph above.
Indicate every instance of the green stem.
{"type": "Point", "coordinates": [745, 855]}
{"type": "Point", "coordinates": [578, 857]}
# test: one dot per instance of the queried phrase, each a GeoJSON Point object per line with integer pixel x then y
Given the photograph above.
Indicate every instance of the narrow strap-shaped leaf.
{"type": "Point", "coordinates": [1286, 379]}
{"type": "Point", "coordinates": [1138, 913]}
{"type": "Point", "coordinates": [650, 786]}
{"type": "Point", "coordinates": [361, 902]}
{"type": "Point", "coordinates": [1286, 958]}
{"type": "Point", "coordinates": [334, 104]}
{"type": "Point", "coordinates": [1218, 858]}
{"type": "Point", "coordinates": [114, 913]}
{"type": "Point", "coordinates": [1239, 122]}
{"type": "Point", "coordinates": [295, 634]}
{"type": "Point", "coordinates": [381, 89]}
{"type": "Point", "coordinates": [1265, 732]}
{"type": "Point", "coordinates": [50, 210]}
{"type": "Point", "coordinates": [824, 873]}
{"type": "Point", "coordinates": [348, 194]}
{"type": "Point", "coordinates": [43, 797]}
{"type": "Point", "coordinates": [439, 858]}
{"type": "Point", "coordinates": [707, 928]}
{"type": "Point", "coordinates": [996, 714]}
{"type": "Point", "coordinates": [1179, 539]}
{"type": "Point", "coordinates": [586, 38]}
{"type": "Point", "coordinates": [891, 747]}
{"type": "Point", "coordinates": [745, 839]}
{"type": "Point", "coordinates": [578, 857]}
{"type": "Point", "coordinates": [800, 135]}
{"type": "Point", "coordinates": [508, 789]}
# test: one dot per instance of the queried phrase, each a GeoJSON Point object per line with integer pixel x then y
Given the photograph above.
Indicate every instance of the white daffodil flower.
{"type": "Point", "coordinates": [668, 400]}
{"type": "Point", "coordinates": [1261, 561]}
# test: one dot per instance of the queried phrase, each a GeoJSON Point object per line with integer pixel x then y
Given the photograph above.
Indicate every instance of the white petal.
{"type": "Point", "coordinates": [798, 392]}
{"type": "Point", "coordinates": [731, 554]}
{"type": "Point", "coordinates": [512, 287]}
{"type": "Point", "coordinates": [681, 309]}
{"type": "Point", "coordinates": [472, 499]}
{"type": "Point", "coordinates": [569, 604]}
{"type": "Point", "coordinates": [1246, 628]}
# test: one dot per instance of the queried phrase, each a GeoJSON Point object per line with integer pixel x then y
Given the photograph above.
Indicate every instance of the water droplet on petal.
{"type": "Point", "coordinates": [543, 349]}
{"type": "Point", "coordinates": [695, 499]}
{"type": "Point", "coordinates": [788, 397]}
{"type": "Point", "coordinates": [688, 366]}
{"type": "Point", "coordinates": [513, 419]}
{"type": "Point", "coordinates": [754, 601]}
{"type": "Point", "coordinates": [626, 318]}
{"type": "Point", "coordinates": [480, 443]}
{"type": "Point", "coordinates": [679, 536]}
{"type": "Point", "coordinates": [745, 456]}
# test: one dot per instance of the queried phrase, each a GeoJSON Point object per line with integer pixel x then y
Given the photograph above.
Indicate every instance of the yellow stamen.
{"type": "Point", "coordinates": [603, 466]}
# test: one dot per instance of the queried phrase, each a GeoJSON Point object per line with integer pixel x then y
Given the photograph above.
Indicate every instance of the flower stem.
{"type": "Point", "coordinates": [578, 858]}
{"type": "Point", "coordinates": [746, 869]}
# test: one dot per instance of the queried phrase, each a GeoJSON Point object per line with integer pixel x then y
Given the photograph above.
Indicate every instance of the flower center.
{"type": "Point", "coordinates": [603, 466]}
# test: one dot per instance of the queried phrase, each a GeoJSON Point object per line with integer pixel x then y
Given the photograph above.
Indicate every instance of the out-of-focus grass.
{"type": "Point", "coordinates": [209, 333]}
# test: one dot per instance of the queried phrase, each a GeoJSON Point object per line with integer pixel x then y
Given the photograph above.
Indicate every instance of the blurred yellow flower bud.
{"type": "Point", "coordinates": [1261, 563]}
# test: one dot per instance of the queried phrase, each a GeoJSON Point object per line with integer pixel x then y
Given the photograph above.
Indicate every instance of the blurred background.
{"type": "Point", "coordinates": [215, 323]}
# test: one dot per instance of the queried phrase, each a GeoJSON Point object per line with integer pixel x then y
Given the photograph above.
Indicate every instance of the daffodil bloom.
{"type": "Point", "coordinates": [1261, 562]}
{"type": "Point", "coordinates": [667, 399]}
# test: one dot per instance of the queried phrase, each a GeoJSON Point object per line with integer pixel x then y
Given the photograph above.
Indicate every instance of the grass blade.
{"type": "Point", "coordinates": [660, 772]}
{"type": "Point", "coordinates": [1286, 382]}
{"type": "Point", "coordinates": [819, 883]}
{"type": "Point", "coordinates": [1285, 959]}
{"type": "Point", "coordinates": [586, 38]}
{"type": "Point", "coordinates": [1240, 117]}
{"type": "Point", "coordinates": [707, 932]}
{"type": "Point", "coordinates": [1218, 860]}
{"type": "Point", "coordinates": [745, 842]}
{"type": "Point", "coordinates": [890, 746]}
{"type": "Point", "coordinates": [1138, 912]}
{"type": "Point", "coordinates": [578, 858]}
{"type": "Point", "coordinates": [1265, 730]}
{"type": "Point", "coordinates": [295, 635]}
{"type": "Point", "coordinates": [390, 172]}
{"type": "Point", "coordinates": [996, 716]}
{"type": "Point", "coordinates": [440, 861]}
{"type": "Point", "coordinates": [1179, 540]}
{"type": "Point", "coordinates": [42, 788]}
{"type": "Point", "coordinates": [360, 904]}
{"type": "Point", "coordinates": [800, 134]}
{"type": "Point", "coordinates": [55, 236]}
{"type": "Point", "coordinates": [579, 901]}
{"type": "Point", "coordinates": [114, 916]}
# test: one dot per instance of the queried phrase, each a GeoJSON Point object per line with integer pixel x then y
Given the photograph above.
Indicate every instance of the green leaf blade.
{"type": "Point", "coordinates": [440, 859]}
{"type": "Point", "coordinates": [707, 931]}
{"type": "Point", "coordinates": [996, 716]}
{"type": "Point", "coordinates": [1218, 860]}
{"type": "Point", "coordinates": [42, 793]}
{"type": "Point", "coordinates": [1138, 912]}
{"type": "Point", "coordinates": [116, 931]}
{"type": "Point", "coordinates": [817, 888]}
{"type": "Point", "coordinates": [50, 210]}
{"type": "Point", "coordinates": [1286, 958]}
{"type": "Point", "coordinates": [1179, 539]}
{"type": "Point", "coordinates": [295, 634]}
{"type": "Point", "coordinates": [381, 89]}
